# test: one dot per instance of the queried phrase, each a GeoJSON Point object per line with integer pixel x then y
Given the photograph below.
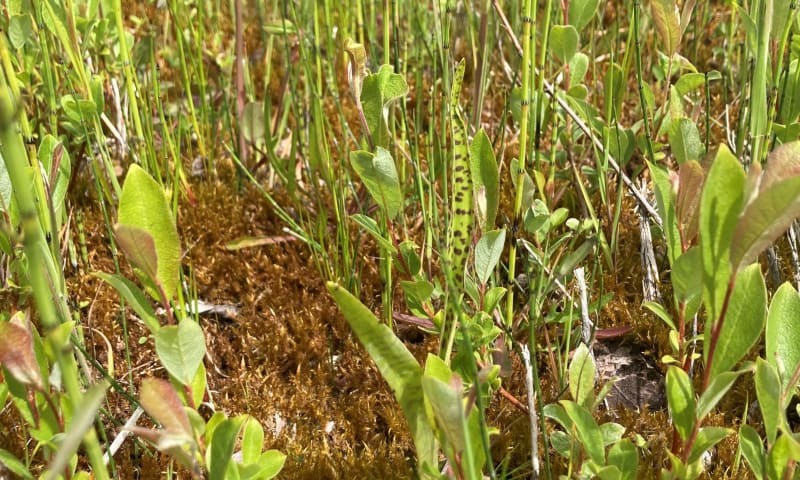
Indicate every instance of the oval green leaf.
{"type": "Point", "coordinates": [587, 429]}
{"type": "Point", "coordinates": [744, 320]}
{"type": "Point", "coordinates": [680, 398]}
{"type": "Point", "coordinates": [563, 42]}
{"type": "Point", "coordinates": [485, 179]}
{"type": "Point", "coordinates": [783, 332]}
{"type": "Point", "coordinates": [379, 174]}
{"type": "Point", "coordinates": [181, 349]}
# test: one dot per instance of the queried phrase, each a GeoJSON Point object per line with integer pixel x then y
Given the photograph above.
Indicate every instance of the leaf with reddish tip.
{"type": "Point", "coordinates": [764, 220]}
{"type": "Point", "coordinates": [690, 187]}
{"type": "Point", "coordinates": [783, 163]}
{"type": "Point", "coordinates": [161, 402]}
{"type": "Point", "coordinates": [139, 248]}
{"type": "Point", "coordinates": [667, 20]}
{"type": "Point", "coordinates": [178, 445]}
{"type": "Point", "coordinates": [16, 354]}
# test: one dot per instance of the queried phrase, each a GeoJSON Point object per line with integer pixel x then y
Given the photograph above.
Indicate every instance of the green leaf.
{"type": "Point", "coordinates": [134, 296]}
{"type": "Point", "coordinates": [684, 139]}
{"type": "Point", "coordinates": [6, 190]}
{"type": "Point", "coordinates": [744, 320]}
{"type": "Point", "coordinates": [220, 452]}
{"type": "Point", "coordinates": [20, 30]}
{"type": "Point", "coordinates": [686, 283]}
{"type": "Point", "coordinates": [768, 392]}
{"type": "Point", "coordinates": [144, 206]}
{"type": "Point", "coordinates": [604, 473]}
{"type": "Point", "coordinates": [252, 441]}
{"type": "Point", "coordinates": [377, 91]}
{"type": "Point", "coordinates": [587, 430]}
{"type": "Point", "coordinates": [582, 372]}
{"type": "Point", "coordinates": [717, 388]}
{"type": "Point", "coordinates": [408, 250]}
{"type": "Point", "coordinates": [781, 454]}
{"type": "Point", "coordinates": [447, 410]}
{"type": "Point", "coordinates": [667, 22]}
{"type": "Point", "coordinates": [397, 366]}
{"type": "Point", "coordinates": [379, 174]}
{"type": "Point", "coordinates": [753, 449]}
{"type": "Point", "coordinates": [56, 162]}
{"type": "Point", "coordinates": [561, 442]}
{"type": "Point", "coordinates": [556, 412]}
{"type": "Point", "coordinates": [576, 257]}
{"type": "Point", "coordinates": [581, 12]}
{"type": "Point", "coordinates": [782, 335]}
{"type": "Point", "coordinates": [371, 226]}
{"type": "Point", "coordinates": [492, 298]}
{"type": "Point", "coordinates": [420, 290]}
{"type": "Point", "coordinates": [666, 208]}
{"type": "Point", "coordinates": [181, 349]}
{"type": "Point", "coordinates": [614, 88]}
{"type": "Point", "coordinates": [269, 465]}
{"type": "Point", "coordinates": [623, 455]}
{"type": "Point", "coordinates": [611, 432]}
{"type": "Point", "coordinates": [707, 437]}
{"type": "Point", "coordinates": [621, 143]}
{"type": "Point", "coordinates": [485, 180]}
{"type": "Point", "coordinates": [564, 42]}
{"type": "Point", "coordinates": [720, 206]}
{"type": "Point", "coordinates": [661, 313]}
{"type": "Point", "coordinates": [13, 464]}
{"type": "Point", "coordinates": [578, 67]}
{"type": "Point", "coordinates": [689, 82]}
{"type": "Point", "coordinates": [680, 397]}
{"type": "Point", "coordinates": [252, 122]}
{"type": "Point", "coordinates": [488, 252]}
{"type": "Point", "coordinates": [528, 187]}
{"type": "Point", "coordinates": [199, 384]}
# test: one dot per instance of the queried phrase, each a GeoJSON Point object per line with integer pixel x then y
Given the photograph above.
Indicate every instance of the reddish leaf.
{"type": "Point", "coordinates": [161, 402]}
{"type": "Point", "coordinates": [16, 354]}
{"type": "Point", "coordinates": [690, 187]}
{"type": "Point", "coordinates": [139, 249]}
{"type": "Point", "coordinates": [783, 163]}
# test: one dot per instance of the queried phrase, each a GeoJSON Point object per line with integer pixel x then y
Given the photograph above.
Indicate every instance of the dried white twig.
{"type": "Point", "coordinates": [123, 434]}
{"type": "Point", "coordinates": [792, 235]}
{"type": "Point", "coordinates": [526, 357]}
{"type": "Point", "coordinates": [648, 257]}
{"type": "Point", "coordinates": [587, 326]}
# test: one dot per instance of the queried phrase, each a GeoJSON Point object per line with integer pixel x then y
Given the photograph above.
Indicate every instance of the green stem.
{"type": "Point", "coordinates": [521, 164]}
